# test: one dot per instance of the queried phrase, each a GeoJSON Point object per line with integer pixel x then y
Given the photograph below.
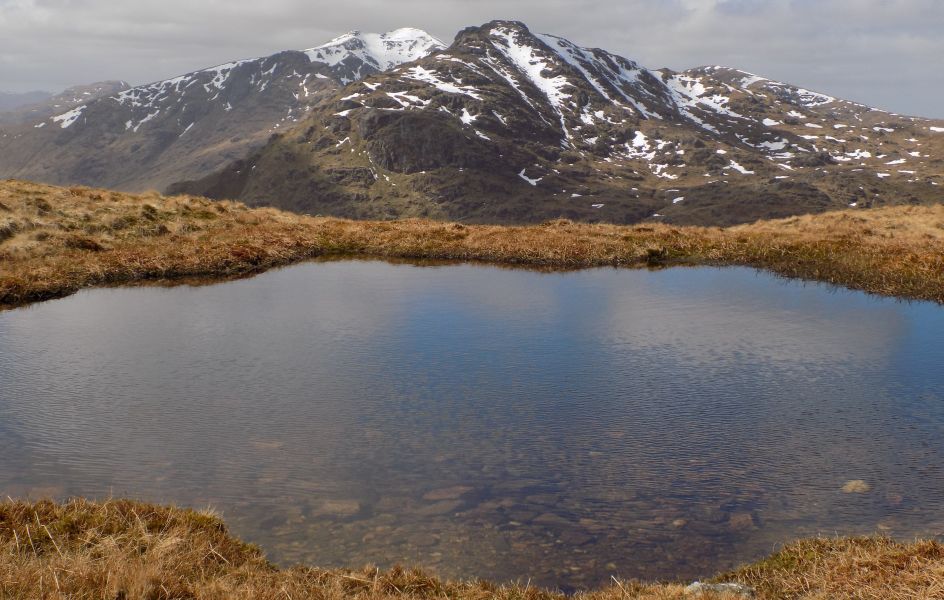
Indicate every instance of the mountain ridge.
{"type": "Point", "coordinates": [510, 126]}
{"type": "Point", "coordinates": [151, 135]}
{"type": "Point", "coordinates": [49, 104]}
{"type": "Point", "coordinates": [504, 125]}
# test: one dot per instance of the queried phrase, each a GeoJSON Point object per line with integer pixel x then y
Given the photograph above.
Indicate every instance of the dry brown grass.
{"type": "Point", "coordinates": [54, 241]}
{"type": "Point", "coordinates": [832, 568]}
{"type": "Point", "coordinates": [128, 550]}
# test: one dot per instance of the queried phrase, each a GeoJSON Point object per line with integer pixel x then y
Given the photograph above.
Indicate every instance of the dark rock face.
{"type": "Point", "coordinates": [411, 142]}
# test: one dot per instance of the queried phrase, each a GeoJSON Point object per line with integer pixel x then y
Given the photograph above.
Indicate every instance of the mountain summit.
{"type": "Point", "coordinates": [355, 55]}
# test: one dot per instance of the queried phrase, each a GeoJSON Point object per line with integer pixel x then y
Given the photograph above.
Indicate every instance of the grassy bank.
{"type": "Point", "coordinates": [130, 550]}
{"type": "Point", "coordinates": [54, 241]}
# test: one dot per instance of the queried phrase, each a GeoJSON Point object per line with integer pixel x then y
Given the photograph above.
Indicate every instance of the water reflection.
{"type": "Point", "coordinates": [485, 422]}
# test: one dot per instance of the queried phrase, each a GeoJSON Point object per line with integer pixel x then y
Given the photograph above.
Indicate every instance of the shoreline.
{"type": "Point", "coordinates": [128, 549]}
{"type": "Point", "coordinates": [55, 241]}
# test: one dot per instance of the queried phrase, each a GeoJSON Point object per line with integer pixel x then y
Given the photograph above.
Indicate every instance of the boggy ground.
{"type": "Point", "coordinates": [55, 241]}
{"type": "Point", "coordinates": [121, 549]}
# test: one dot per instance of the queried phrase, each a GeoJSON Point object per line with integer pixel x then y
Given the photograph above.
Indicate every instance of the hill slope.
{"type": "Point", "coordinates": [48, 105]}
{"type": "Point", "coordinates": [511, 126]}
{"type": "Point", "coordinates": [188, 126]}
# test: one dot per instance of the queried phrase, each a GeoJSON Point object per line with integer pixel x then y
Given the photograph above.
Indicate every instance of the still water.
{"type": "Point", "coordinates": [483, 422]}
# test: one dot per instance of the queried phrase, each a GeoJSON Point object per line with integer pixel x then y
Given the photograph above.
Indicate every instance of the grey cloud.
{"type": "Point", "coordinates": [880, 52]}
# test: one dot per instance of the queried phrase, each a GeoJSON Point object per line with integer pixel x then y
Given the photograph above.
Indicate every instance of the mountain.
{"type": "Point", "coordinates": [188, 126]}
{"type": "Point", "coordinates": [10, 101]}
{"type": "Point", "coordinates": [53, 104]}
{"type": "Point", "coordinates": [511, 126]}
{"type": "Point", "coordinates": [356, 55]}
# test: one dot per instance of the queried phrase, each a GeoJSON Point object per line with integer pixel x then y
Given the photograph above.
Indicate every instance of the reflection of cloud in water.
{"type": "Point", "coordinates": [198, 384]}
{"type": "Point", "coordinates": [717, 316]}
{"type": "Point", "coordinates": [111, 381]}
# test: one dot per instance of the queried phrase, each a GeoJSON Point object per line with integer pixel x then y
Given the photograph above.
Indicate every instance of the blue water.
{"type": "Point", "coordinates": [488, 422]}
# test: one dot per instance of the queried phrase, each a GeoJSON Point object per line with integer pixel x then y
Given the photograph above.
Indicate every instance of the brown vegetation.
{"type": "Point", "coordinates": [54, 241]}
{"type": "Point", "coordinates": [130, 550]}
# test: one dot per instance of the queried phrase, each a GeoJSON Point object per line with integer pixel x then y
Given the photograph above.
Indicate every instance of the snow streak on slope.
{"type": "Point", "coordinates": [528, 61]}
{"type": "Point", "coordinates": [618, 73]}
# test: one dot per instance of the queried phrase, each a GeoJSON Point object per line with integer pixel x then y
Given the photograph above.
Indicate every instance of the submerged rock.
{"type": "Point", "coordinates": [449, 493]}
{"type": "Point", "coordinates": [336, 508]}
{"type": "Point", "coordinates": [440, 508]}
{"type": "Point", "coordinates": [742, 521]}
{"type": "Point", "coordinates": [856, 486]}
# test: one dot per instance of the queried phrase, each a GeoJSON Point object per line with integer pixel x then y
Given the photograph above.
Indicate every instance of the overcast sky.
{"type": "Point", "coordinates": [886, 53]}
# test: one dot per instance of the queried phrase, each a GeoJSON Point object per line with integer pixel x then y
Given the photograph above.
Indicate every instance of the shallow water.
{"type": "Point", "coordinates": [484, 422]}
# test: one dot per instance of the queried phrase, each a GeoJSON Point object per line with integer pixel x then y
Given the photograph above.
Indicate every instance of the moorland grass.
{"type": "Point", "coordinates": [55, 241]}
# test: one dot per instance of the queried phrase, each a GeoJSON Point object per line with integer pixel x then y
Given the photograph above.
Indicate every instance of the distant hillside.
{"type": "Point", "coordinates": [188, 126]}
{"type": "Point", "coordinates": [9, 101]}
{"type": "Point", "coordinates": [47, 105]}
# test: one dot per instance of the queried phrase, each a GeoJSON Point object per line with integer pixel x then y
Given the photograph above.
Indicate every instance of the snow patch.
{"type": "Point", "coordinates": [737, 167]}
{"type": "Point", "coordinates": [65, 120]}
{"type": "Point", "coordinates": [427, 76]}
{"type": "Point", "coordinates": [533, 182]}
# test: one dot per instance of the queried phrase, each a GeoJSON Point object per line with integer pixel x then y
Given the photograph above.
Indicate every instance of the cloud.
{"type": "Point", "coordinates": [880, 52]}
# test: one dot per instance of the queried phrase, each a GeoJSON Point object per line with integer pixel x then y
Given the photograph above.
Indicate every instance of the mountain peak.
{"type": "Point", "coordinates": [506, 24]}
{"type": "Point", "coordinates": [350, 52]}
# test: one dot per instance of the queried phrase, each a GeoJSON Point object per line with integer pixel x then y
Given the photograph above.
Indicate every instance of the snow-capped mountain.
{"type": "Point", "coordinates": [151, 135]}
{"type": "Point", "coordinates": [508, 125]}
{"type": "Point", "coordinates": [355, 55]}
